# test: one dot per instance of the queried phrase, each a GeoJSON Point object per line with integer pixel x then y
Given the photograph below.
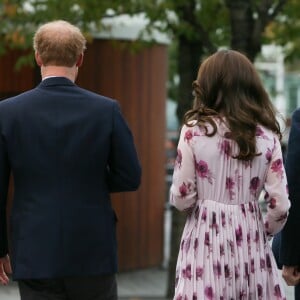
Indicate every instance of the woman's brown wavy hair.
{"type": "Point", "coordinates": [229, 88]}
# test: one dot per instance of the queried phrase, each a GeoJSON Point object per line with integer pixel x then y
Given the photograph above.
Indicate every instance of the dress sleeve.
{"type": "Point", "coordinates": [276, 196]}
{"type": "Point", "coordinates": [183, 191]}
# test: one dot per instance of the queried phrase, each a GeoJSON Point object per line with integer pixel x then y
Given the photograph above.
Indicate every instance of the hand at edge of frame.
{"type": "Point", "coordinates": [291, 275]}
{"type": "Point", "coordinates": [5, 269]}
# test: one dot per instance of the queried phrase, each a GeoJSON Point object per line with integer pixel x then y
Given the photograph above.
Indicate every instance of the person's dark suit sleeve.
{"type": "Point", "coordinates": [124, 170]}
{"type": "Point", "coordinates": [290, 235]}
{"type": "Point", "coordinates": [4, 181]}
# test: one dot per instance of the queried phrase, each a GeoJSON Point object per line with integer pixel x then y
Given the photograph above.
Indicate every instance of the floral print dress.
{"type": "Point", "coordinates": [224, 252]}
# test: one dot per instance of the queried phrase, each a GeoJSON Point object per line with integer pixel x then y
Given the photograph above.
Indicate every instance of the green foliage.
{"type": "Point", "coordinates": [173, 72]}
{"type": "Point", "coordinates": [19, 18]}
{"type": "Point", "coordinates": [194, 19]}
{"type": "Point", "coordinates": [25, 60]}
{"type": "Point", "coordinates": [285, 30]}
{"type": "Point", "coordinates": [204, 21]}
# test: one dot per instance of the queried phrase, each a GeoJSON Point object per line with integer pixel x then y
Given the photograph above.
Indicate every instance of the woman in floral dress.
{"type": "Point", "coordinates": [228, 153]}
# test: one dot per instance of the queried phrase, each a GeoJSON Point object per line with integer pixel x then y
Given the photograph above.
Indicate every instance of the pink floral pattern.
{"type": "Point", "coordinates": [230, 187]}
{"type": "Point", "coordinates": [268, 155]}
{"type": "Point", "coordinates": [184, 189]}
{"type": "Point", "coordinates": [224, 220]}
{"type": "Point", "coordinates": [260, 133]}
{"type": "Point", "coordinates": [189, 134]}
{"type": "Point", "coordinates": [254, 185]}
{"type": "Point", "coordinates": [277, 167]}
{"type": "Point", "coordinates": [178, 160]}
{"type": "Point", "coordinates": [225, 148]}
{"type": "Point", "coordinates": [203, 170]}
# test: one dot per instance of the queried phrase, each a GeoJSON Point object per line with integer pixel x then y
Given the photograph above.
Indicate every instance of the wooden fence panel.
{"type": "Point", "coordinates": [138, 81]}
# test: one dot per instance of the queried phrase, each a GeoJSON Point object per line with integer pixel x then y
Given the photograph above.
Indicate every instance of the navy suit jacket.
{"type": "Point", "coordinates": [67, 149]}
{"type": "Point", "coordinates": [289, 253]}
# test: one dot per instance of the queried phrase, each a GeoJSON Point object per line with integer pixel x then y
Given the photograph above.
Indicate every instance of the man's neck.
{"type": "Point", "coordinates": [57, 71]}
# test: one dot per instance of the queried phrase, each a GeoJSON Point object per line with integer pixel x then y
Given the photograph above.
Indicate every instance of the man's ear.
{"type": "Point", "coordinates": [79, 60]}
{"type": "Point", "coordinates": [38, 59]}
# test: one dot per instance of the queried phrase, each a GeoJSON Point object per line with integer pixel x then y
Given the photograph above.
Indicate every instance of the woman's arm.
{"type": "Point", "coordinates": [183, 191]}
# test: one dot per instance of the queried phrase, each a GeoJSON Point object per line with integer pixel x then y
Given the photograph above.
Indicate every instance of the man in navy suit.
{"type": "Point", "coordinates": [67, 149]}
{"type": "Point", "coordinates": [289, 254]}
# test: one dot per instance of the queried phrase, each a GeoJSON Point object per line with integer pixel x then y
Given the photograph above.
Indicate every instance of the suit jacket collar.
{"type": "Point", "coordinates": [55, 81]}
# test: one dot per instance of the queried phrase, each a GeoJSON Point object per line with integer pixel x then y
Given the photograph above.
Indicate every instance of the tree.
{"type": "Point", "coordinates": [20, 18]}
{"type": "Point", "coordinates": [249, 20]}
{"type": "Point", "coordinates": [198, 27]}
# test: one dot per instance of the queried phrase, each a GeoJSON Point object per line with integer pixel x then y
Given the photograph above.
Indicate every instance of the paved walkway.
{"type": "Point", "coordinates": [149, 284]}
{"type": "Point", "coordinates": [144, 284]}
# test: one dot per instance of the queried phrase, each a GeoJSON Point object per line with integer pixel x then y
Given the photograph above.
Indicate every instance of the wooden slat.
{"type": "Point", "coordinates": [11, 80]}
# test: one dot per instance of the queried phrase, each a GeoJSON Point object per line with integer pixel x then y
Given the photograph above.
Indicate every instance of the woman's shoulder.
{"type": "Point", "coordinates": [265, 133]}
{"type": "Point", "coordinates": [266, 138]}
{"type": "Point", "coordinates": [191, 128]}
{"type": "Point", "coordinates": [217, 125]}
{"type": "Point", "coordinates": [195, 126]}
